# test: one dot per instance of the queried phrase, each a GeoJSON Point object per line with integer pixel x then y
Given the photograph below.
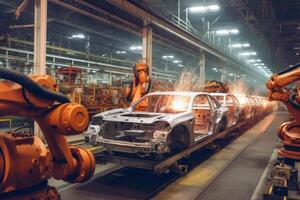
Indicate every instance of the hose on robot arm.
{"type": "Point", "coordinates": [31, 86]}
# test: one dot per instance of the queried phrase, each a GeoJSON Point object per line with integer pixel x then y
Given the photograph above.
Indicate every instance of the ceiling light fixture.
{"type": "Point", "coordinates": [225, 32]}
{"type": "Point", "coordinates": [136, 48]}
{"type": "Point", "coordinates": [78, 36]}
{"type": "Point", "coordinates": [204, 8]}
{"type": "Point", "coordinates": [248, 53]}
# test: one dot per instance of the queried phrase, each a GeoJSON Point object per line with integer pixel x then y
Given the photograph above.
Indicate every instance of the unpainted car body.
{"type": "Point", "coordinates": [160, 122]}
{"type": "Point", "coordinates": [231, 103]}
{"type": "Point", "coordinates": [246, 107]}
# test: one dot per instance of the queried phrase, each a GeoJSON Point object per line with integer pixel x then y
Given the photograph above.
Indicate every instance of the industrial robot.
{"type": "Point", "coordinates": [215, 86]}
{"type": "Point", "coordinates": [26, 163]}
{"type": "Point", "coordinates": [141, 83]}
{"type": "Point", "coordinates": [288, 132]}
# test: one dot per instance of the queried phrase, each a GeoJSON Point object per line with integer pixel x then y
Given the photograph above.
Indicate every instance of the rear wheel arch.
{"type": "Point", "coordinates": [223, 124]}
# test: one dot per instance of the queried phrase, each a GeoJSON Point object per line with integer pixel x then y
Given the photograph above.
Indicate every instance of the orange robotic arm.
{"type": "Point", "coordinates": [215, 86]}
{"type": "Point", "coordinates": [141, 80]}
{"type": "Point", "coordinates": [24, 159]}
{"type": "Point", "coordinates": [278, 93]}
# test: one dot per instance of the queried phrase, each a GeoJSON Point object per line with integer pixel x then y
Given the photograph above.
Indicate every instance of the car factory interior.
{"type": "Point", "coordinates": [149, 99]}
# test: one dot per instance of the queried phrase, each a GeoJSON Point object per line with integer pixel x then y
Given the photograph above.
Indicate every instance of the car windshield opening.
{"type": "Point", "coordinates": [163, 104]}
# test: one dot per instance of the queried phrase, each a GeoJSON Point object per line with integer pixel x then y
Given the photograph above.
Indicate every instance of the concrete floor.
{"type": "Point", "coordinates": [232, 173]}
{"type": "Point", "coordinates": [240, 179]}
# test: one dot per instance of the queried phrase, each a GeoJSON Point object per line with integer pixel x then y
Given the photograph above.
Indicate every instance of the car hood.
{"type": "Point", "coordinates": [145, 117]}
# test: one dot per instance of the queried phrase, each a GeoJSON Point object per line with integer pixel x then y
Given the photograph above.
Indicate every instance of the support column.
{"type": "Point", "coordinates": [223, 75]}
{"type": "Point", "coordinates": [234, 79]}
{"type": "Point", "coordinates": [147, 45]}
{"type": "Point", "coordinates": [40, 39]}
{"type": "Point", "coordinates": [110, 79]}
{"type": "Point", "coordinates": [202, 67]}
{"type": "Point", "coordinates": [40, 31]}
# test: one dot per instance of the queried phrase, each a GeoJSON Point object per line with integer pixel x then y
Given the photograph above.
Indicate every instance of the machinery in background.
{"type": "Point", "coordinates": [95, 98]}
{"type": "Point", "coordinates": [70, 82]}
{"type": "Point", "coordinates": [215, 86]}
{"type": "Point", "coordinates": [162, 86]}
{"type": "Point", "coordinates": [25, 162]}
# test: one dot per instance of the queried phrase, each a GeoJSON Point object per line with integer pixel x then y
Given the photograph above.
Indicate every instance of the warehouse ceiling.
{"type": "Point", "coordinates": [274, 22]}
{"type": "Point", "coordinates": [273, 26]}
{"type": "Point", "coordinates": [287, 29]}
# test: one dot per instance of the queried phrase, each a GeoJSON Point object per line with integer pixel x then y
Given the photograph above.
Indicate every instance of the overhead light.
{"type": "Point", "coordinates": [246, 45]}
{"type": "Point", "coordinates": [239, 45]}
{"type": "Point", "coordinates": [78, 36]}
{"type": "Point", "coordinates": [136, 48]}
{"type": "Point", "coordinates": [224, 32]}
{"type": "Point", "coordinates": [180, 65]}
{"type": "Point", "coordinates": [70, 53]}
{"type": "Point", "coordinates": [247, 53]}
{"type": "Point", "coordinates": [236, 45]}
{"type": "Point", "coordinates": [204, 8]}
{"type": "Point", "coordinates": [177, 61]}
{"type": "Point", "coordinates": [215, 69]}
{"type": "Point", "coordinates": [258, 60]}
{"type": "Point", "coordinates": [121, 52]}
{"type": "Point", "coordinates": [256, 64]}
{"type": "Point", "coordinates": [168, 56]}
{"type": "Point", "coordinates": [251, 61]}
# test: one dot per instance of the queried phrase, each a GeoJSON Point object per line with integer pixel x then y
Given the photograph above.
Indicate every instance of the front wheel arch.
{"type": "Point", "coordinates": [179, 138]}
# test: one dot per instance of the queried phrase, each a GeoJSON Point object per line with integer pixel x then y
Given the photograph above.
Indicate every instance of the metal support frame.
{"type": "Point", "coordinates": [40, 38]}
{"type": "Point", "coordinates": [223, 74]}
{"type": "Point", "coordinates": [147, 45]}
{"type": "Point", "coordinates": [202, 64]}
{"type": "Point", "coordinates": [57, 60]}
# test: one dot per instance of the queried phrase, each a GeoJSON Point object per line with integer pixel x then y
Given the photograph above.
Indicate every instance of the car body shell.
{"type": "Point", "coordinates": [141, 132]}
{"type": "Point", "coordinates": [246, 107]}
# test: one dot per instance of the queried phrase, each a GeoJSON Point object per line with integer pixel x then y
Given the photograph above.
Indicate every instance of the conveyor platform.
{"type": "Point", "coordinates": [231, 173]}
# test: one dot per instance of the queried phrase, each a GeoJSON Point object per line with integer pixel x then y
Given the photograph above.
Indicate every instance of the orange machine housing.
{"type": "Point", "coordinates": [24, 159]}
{"type": "Point", "coordinates": [141, 83]}
{"type": "Point", "coordinates": [288, 132]}
{"type": "Point", "coordinates": [215, 86]}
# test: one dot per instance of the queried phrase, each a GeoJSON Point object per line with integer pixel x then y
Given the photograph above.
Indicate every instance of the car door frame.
{"type": "Point", "coordinates": [210, 130]}
{"type": "Point", "coordinates": [216, 113]}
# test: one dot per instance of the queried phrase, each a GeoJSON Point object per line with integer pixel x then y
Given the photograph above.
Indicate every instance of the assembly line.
{"type": "Point", "coordinates": [164, 99]}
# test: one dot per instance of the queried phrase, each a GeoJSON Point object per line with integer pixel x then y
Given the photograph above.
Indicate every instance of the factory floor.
{"type": "Point", "coordinates": [232, 173]}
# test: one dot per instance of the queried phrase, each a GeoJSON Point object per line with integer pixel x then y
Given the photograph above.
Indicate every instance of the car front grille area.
{"type": "Point", "coordinates": [130, 132]}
